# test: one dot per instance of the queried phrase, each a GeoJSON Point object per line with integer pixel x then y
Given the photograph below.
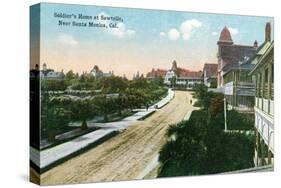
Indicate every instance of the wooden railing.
{"type": "Point", "coordinates": [265, 105]}
{"type": "Point", "coordinates": [272, 91]}
{"type": "Point", "coordinates": [265, 90]}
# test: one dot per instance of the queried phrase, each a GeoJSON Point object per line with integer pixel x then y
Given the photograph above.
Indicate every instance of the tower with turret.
{"type": "Point", "coordinates": [230, 54]}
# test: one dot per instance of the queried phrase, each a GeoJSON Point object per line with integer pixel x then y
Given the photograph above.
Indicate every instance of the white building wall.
{"type": "Point", "coordinates": [169, 75]}
{"type": "Point", "coordinates": [265, 126]}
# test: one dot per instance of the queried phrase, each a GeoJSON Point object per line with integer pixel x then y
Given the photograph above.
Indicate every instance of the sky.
{"type": "Point", "coordinates": [145, 39]}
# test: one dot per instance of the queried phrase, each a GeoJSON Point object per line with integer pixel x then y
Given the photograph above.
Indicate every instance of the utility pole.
{"type": "Point", "coordinates": [225, 124]}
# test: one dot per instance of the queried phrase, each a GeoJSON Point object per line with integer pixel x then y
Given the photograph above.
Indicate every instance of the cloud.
{"type": "Point", "coordinates": [186, 30]}
{"type": "Point", "coordinates": [67, 39]}
{"type": "Point", "coordinates": [233, 31]}
{"type": "Point", "coordinates": [131, 32]}
{"type": "Point", "coordinates": [188, 27]}
{"type": "Point", "coordinates": [102, 21]}
{"type": "Point", "coordinates": [215, 33]}
{"type": "Point", "coordinates": [173, 34]}
{"type": "Point", "coordinates": [121, 30]}
{"type": "Point", "coordinates": [162, 34]}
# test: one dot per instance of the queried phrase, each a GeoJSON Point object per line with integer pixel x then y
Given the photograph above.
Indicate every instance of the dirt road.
{"type": "Point", "coordinates": [126, 155]}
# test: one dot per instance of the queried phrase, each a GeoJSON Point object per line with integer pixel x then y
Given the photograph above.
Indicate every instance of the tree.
{"type": "Point", "coordinates": [53, 85]}
{"type": "Point", "coordinates": [158, 81]}
{"type": "Point", "coordinates": [240, 121]}
{"type": "Point", "coordinates": [114, 84]}
{"type": "Point", "coordinates": [173, 81]}
{"type": "Point", "coordinates": [203, 96]}
{"type": "Point", "coordinates": [186, 154]}
{"type": "Point", "coordinates": [140, 83]}
{"type": "Point", "coordinates": [82, 78]}
{"type": "Point", "coordinates": [227, 151]}
{"type": "Point", "coordinates": [137, 98]}
{"type": "Point", "coordinates": [213, 84]}
{"type": "Point", "coordinates": [105, 105]}
{"type": "Point", "coordinates": [216, 105]}
{"type": "Point", "coordinates": [54, 116]}
{"type": "Point", "coordinates": [70, 75]}
{"type": "Point", "coordinates": [202, 147]}
{"type": "Point", "coordinates": [82, 110]}
{"type": "Point", "coordinates": [84, 125]}
{"type": "Point", "coordinates": [121, 103]}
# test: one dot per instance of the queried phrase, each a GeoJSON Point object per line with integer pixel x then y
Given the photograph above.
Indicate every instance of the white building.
{"type": "Point", "coordinates": [181, 77]}
{"type": "Point", "coordinates": [97, 73]}
{"type": "Point", "coordinates": [50, 74]}
{"type": "Point", "coordinates": [263, 76]}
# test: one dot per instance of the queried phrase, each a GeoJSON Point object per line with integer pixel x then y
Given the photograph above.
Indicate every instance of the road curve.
{"type": "Point", "coordinates": [126, 155]}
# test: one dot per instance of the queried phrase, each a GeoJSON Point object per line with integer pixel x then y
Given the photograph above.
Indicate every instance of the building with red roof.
{"type": "Point", "coordinates": [210, 71]}
{"type": "Point", "coordinates": [182, 77]}
{"type": "Point", "coordinates": [234, 64]}
{"type": "Point", "coordinates": [176, 76]}
{"type": "Point", "coordinates": [230, 54]}
{"type": "Point", "coordinates": [154, 73]}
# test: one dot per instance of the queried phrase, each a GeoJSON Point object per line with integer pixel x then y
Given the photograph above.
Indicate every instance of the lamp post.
{"type": "Point", "coordinates": [225, 123]}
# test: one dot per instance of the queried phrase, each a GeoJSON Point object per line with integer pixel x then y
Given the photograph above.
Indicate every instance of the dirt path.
{"type": "Point", "coordinates": [126, 155]}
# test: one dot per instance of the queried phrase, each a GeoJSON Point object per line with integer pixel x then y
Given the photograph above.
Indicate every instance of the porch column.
{"type": "Point", "coordinates": [259, 85]}
{"type": "Point", "coordinates": [269, 156]}
{"type": "Point", "coordinates": [235, 80]}
{"type": "Point", "coordinates": [269, 80]}
{"type": "Point", "coordinates": [258, 147]}
{"type": "Point", "coordinates": [262, 86]}
{"type": "Point", "coordinates": [262, 153]}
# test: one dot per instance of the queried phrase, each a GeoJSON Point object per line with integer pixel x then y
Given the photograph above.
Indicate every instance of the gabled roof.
{"type": "Point", "coordinates": [262, 49]}
{"type": "Point", "coordinates": [211, 69]}
{"type": "Point", "coordinates": [180, 72]}
{"type": "Point", "coordinates": [259, 60]}
{"type": "Point", "coordinates": [156, 73]}
{"type": "Point", "coordinates": [184, 73]}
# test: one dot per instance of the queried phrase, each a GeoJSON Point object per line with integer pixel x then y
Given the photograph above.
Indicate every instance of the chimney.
{"type": "Point", "coordinates": [268, 32]}
{"type": "Point", "coordinates": [37, 67]}
{"type": "Point", "coordinates": [256, 43]}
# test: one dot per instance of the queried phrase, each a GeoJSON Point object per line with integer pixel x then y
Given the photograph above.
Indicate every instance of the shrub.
{"type": "Point", "coordinates": [202, 147]}
{"type": "Point", "coordinates": [216, 105]}
{"type": "Point", "coordinates": [240, 121]}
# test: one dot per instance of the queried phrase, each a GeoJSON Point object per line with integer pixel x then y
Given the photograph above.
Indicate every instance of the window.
{"type": "Point", "coordinates": [266, 84]}
{"type": "Point", "coordinates": [259, 84]}
{"type": "Point", "coordinates": [272, 83]}
{"type": "Point", "coordinates": [272, 73]}
{"type": "Point", "coordinates": [266, 75]}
